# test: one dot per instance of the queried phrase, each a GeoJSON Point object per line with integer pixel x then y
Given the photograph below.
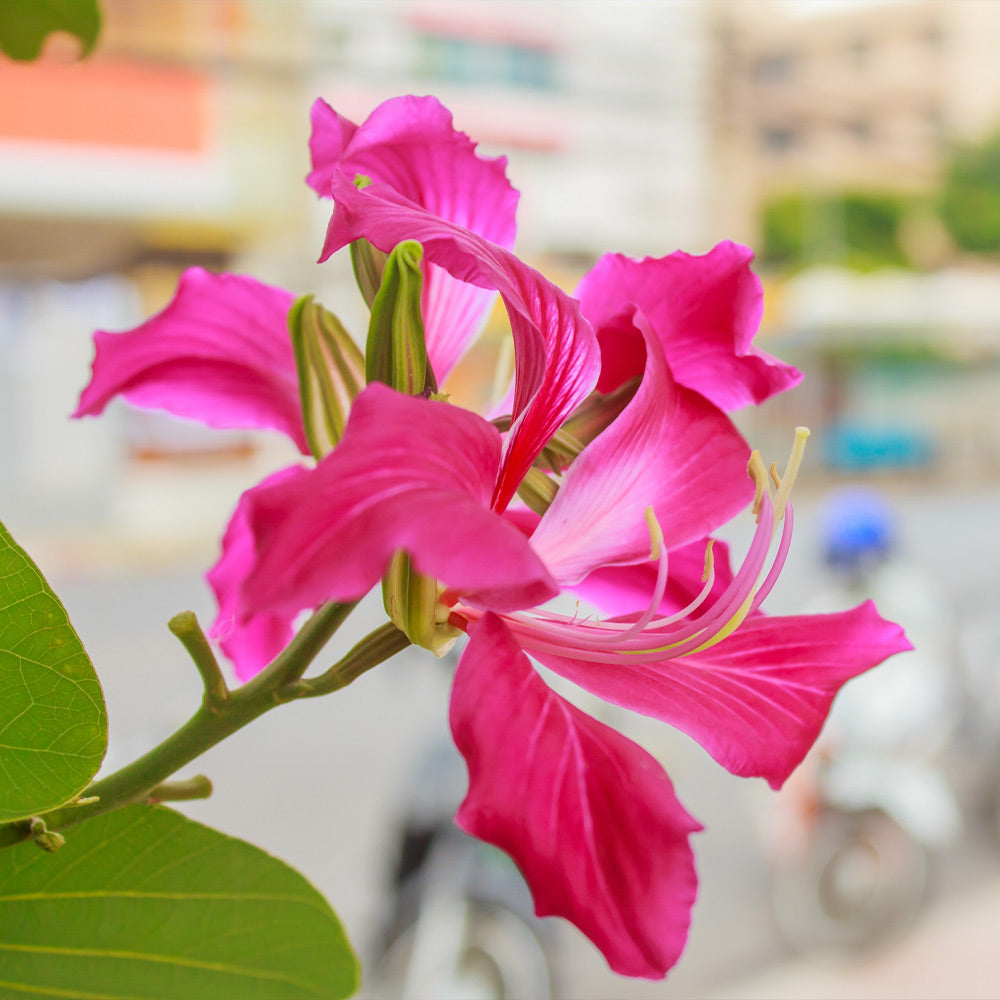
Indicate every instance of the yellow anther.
{"type": "Point", "coordinates": [758, 473]}
{"type": "Point", "coordinates": [655, 533]}
{"type": "Point", "coordinates": [709, 561]}
{"type": "Point", "coordinates": [791, 471]}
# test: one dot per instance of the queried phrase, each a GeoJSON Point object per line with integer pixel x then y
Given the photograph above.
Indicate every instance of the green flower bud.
{"type": "Point", "coordinates": [537, 490]}
{"type": "Point", "coordinates": [599, 411]}
{"type": "Point", "coordinates": [368, 263]}
{"type": "Point", "coordinates": [396, 353]}
{"type": "Point", "coordinates": [331, 372]}
{"type": "Point", "coordinates": [413, 603]}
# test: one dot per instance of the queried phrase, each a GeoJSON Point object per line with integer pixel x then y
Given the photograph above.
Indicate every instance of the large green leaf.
{"type": "Point", "coordinates": [143, 903]}
{"type": "Point", "coordinates": [53, 726]}
{"type": "Point", "coordinates": [25, 24]}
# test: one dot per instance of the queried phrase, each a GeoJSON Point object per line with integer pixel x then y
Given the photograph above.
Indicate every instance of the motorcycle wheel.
{"type": "Point", "coordinates": [860, 883]}
{"type": "Point", "coordinates": [500, 958]}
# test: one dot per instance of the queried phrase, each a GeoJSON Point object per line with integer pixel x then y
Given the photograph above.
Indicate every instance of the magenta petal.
{"type": "Point", "coordinates": [218, 353]}
{"type": "Point", "coordinates": [412, 145]}
{"type": "Point", "coordinates": [408, 474]}
{"type": "Point", "coordinates": [757, 700]}
{"type": "Point", "coordinates": [705, 311]}
{"type": "Point", "coordinates": [670, 449]}
{"type": "Point", "coordinates": [590, 818]}
{"type": "Point", "coordinates": [250, 642]}
{"type": "Point", "coordinates": [556, 353]}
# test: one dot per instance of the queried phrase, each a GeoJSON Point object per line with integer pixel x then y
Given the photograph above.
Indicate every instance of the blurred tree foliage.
{"type": "Point", "coordinates": [969, 203]}
{"type": "Point", "coordinates": [854, 229]}
{"type": "Point", "coordinates": [26, 24]}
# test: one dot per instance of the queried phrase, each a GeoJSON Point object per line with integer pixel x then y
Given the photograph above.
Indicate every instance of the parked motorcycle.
{"type": "Point", "coordinates": [460, 922]}
{"type": "Point", "coordinates": [871, 807]}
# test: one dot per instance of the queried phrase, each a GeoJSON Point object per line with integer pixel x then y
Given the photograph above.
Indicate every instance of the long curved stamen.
{"type": "Point", "coordinates": [578, 640]}
{"type": "Point", "coordinates": [541, 619]}
{"type": "Point", "coordinates": [649, 639]}
{"type": "Point", "coordinates": [784, 543]}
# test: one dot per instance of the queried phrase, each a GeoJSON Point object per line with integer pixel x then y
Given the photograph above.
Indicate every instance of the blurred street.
{"type": "Point", "coordinates": [320, 784]}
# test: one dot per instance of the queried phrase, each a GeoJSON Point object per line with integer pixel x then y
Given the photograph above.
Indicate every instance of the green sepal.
{"type": "Point", "coordinates": [331, 372]}
{"type": "Point", "coordinates": [396, 353]}
{"type": "Point", "coordinates": [413, 603]}
{"type": "Point", "coordinates": [367, 260]}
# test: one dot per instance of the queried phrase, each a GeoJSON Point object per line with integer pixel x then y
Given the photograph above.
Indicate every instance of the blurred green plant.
{"type": "Point", "coordinates": [969, 203]}
{"type": "Point", "coordinates": [859, 230]}
{"type": "Point", "coordinates": [25, 24]}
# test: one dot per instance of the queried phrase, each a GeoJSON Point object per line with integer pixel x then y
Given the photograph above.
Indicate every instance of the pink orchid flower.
{"type": "Point", "coordinates": [590, 817]}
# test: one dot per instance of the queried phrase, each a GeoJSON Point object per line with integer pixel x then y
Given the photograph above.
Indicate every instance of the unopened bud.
{"type": "Point", "coordinates": [48, 840]}
{"type": "Point", "coordinates": [537, 490]}
{"type": "Point", "coordinates": [599, 411]}
{"type": "Point", "coordinates": [413, 603]}
{"type": "Point", "coordinates": [396, 352]}
{"type": "Point", "coordinates": [368, 263]}
{"type": "Point", "coordinates": [331, 372]}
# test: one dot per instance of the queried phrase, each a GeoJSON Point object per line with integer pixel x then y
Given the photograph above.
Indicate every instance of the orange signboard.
{"type": "Point", "coordinates": [111, 103]}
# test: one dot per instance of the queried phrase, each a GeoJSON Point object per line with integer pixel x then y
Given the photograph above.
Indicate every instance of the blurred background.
{"type": "Point", "coordinates": [854, 146]}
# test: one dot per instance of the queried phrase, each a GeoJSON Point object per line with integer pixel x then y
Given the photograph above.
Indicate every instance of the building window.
{"type": "Point", "coordinates": [861, 130]}
{"type": "Point", "coordinates": [859, 51]}
{"type": "Point", "coordinates": [462, 60]}
{"type": "Point", "coordinates": [775, 67]}
{"type": "Point", "coordinates": [779, 139]}
{"type": "Point", "coordinates": [933, 37]}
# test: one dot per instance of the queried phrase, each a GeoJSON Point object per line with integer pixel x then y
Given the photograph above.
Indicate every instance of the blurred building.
{"type": "Point", "coordinates": [834, 124]}
{"type": "Point", "coordinates": [173, 144]}
{"type": "Point", "coordinates": [868, 98]}
{"type": "Point", "coordinates": [601, 108]}
{"type": "Point", "coordinates": [183, 140]}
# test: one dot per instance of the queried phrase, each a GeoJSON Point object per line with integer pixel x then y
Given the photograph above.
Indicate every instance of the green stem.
{"type": "Point", "coordinates": [185, 626]}
{"type": "Point", "coordinates": [306, 644]}
{"type": "Point", "coordinates": [198, 787]}
{"type": "Point", "coordinates": [133, 783]}
{"type": "Point", "coordinates": [375, 648]}
{"type": "Point", "coordinates": [217, 719]}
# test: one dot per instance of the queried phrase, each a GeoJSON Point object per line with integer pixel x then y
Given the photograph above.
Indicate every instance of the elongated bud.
{"type": "Point", "coordinates": [367, 260]}
{"type": "Point", "coordinates": [537, 490]}
{"type": "Point", "coordinates": [331, 372]}
{"type": "Point", "coordinates": [368, 263]}
{"type": "Point", "coordinates": [413, 603]}
{"type": "Point", "coordinates": [396, 353]}
{"type": "Point", "coordinates": [599, 411]}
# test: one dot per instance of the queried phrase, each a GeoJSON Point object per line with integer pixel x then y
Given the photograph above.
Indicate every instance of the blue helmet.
{"type": "Point", "coordinates": [857, 528]}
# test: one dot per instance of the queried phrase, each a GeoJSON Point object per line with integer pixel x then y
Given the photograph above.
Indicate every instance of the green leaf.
{"type": "Point", "coordinates": [143, 903]}
{"type": "Point", "coordinates": [25, 24]}
{"type": "Point", "coordinates": [53, 726]}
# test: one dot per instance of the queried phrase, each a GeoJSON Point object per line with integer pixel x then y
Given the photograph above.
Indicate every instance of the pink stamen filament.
{"type": "Point", "coordinates": [649, 640]}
